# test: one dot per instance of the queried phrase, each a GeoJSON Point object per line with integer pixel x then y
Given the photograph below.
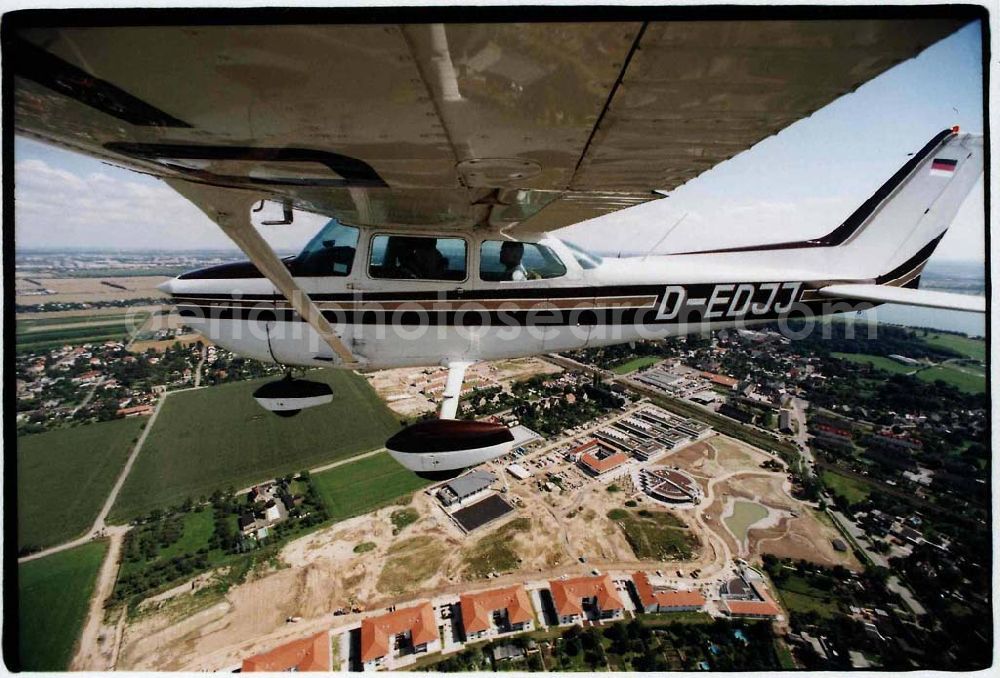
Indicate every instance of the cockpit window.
{"type": "Point", "coordinates": [406, 257]}
{"type": "Point", "coordinates": [330, 252]}
{"type": "Point", "coordinates": [587, 260]}
{"type": "Point", "coordinates": [507, 260]}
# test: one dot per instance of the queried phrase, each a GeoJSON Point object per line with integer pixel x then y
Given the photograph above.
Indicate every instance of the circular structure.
{"type": "Point", "coordinates": [670, 486]}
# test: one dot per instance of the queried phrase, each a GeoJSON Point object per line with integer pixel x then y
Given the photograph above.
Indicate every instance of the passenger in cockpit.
{"type": "Point", "coordinates": [423, 261]}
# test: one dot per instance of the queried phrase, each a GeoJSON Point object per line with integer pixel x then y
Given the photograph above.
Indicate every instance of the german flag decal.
{"type": "Point", "coordinates": [943, 167]}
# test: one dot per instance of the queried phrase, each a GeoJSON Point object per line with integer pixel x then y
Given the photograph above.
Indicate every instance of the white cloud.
{"type": "Point", "coordinates": [118, 209]}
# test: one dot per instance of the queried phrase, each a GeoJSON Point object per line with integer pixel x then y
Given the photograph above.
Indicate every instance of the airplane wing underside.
{"type": "Point", "coordinates": [445, 125]}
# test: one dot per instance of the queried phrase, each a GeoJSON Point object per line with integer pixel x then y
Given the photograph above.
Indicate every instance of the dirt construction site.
{"type": "Point", "coordinates": [552, 532]}
{"type": "Point", "coordinates": [412, 391]}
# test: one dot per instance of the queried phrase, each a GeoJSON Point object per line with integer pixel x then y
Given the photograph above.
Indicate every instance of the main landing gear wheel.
{"type": "Point", "coordinates": [289, 396]}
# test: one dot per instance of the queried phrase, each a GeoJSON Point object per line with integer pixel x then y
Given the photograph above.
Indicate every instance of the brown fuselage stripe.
{"type": "Point", "coordinates": [435, 305]}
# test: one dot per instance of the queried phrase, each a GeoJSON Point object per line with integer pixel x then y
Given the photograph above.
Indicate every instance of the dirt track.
{"type": "Point", "coordinates": [97, 644]}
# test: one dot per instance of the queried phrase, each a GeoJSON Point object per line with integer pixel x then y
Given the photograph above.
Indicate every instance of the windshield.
{"type": "Point", "coordinates": [330, 252]}
{"type": "Point", "coordinates": [587, 260]}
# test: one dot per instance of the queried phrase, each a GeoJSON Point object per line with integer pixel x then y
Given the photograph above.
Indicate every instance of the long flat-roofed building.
{"type": "Point", "coordinates": [410, 631]}
{"type": "Point", "coordinates": [661, 599]}
{"type": "Point", "coordinates": [692, 427]}
{"type": "Point", "coordinates": [657, 416]}
{"type": "Point", "coordinates": [661, 379]}
{"type": "Point", "coordinates": [648, 450]}
{"type": "Point", "coordinates": [495, 612]}
{"type": "Point", "coordinates": [463, 487]}
{"type": "Point", "coordinates": [586, 598]}
{"type": "Point", "coordinates": [309, 654]}
{"type": "Point", "coordinates": [616, 437]}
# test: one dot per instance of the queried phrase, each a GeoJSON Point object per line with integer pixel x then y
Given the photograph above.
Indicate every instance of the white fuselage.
{"type": "Point", "coordinates": [397, 323]}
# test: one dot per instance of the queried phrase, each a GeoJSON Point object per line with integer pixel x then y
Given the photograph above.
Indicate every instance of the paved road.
{"type": "Point", "coordinates": [801, 438]}
{"type": "Point", "coordinates": [90, 394]}
{"type": "Point", "coordinates": [894, 585]}
{"type": "Point", "coordinates": [859, 536]}
{"type": "Point", "coordinates": [99, 524]}
{"type": "Point", "coordinates": [197, 370]}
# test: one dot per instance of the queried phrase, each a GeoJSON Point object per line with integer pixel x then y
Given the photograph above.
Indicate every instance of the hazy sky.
{"type": "Point", "coordinates": [799, 183]}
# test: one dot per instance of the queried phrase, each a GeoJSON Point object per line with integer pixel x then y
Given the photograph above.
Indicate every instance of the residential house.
{"type": "Point", "coordinates": [656, 598]}
{"type": "Point", "coordinates": [402, 633]}
{"type": "Point", "coordinates": [308, 654]}
{"type": "Point", "coordinates": [494, 612]}
{"type": "Point", "coordinates": [586, 598]}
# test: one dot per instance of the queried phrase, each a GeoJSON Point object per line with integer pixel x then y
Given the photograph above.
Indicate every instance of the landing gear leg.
{"type": "Point", "coordinates": [441, 448]}
{"type": "Point", "coordinates": [453, 389]}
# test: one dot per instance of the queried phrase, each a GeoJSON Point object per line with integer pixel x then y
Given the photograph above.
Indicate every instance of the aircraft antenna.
{"type": "Point", "coordinates": [669, 231]}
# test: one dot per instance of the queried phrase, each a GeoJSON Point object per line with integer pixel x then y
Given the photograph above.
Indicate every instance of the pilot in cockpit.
{"type": "Point", "coordinates": [511, 254]}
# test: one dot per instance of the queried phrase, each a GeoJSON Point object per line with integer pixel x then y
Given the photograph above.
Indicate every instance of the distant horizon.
{"type": "Point", "coordinates": [43, 249]}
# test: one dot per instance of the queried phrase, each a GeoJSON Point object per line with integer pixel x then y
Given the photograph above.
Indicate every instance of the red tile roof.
{"type": "Point", "coordinates": [763, 607]}
{"type": "Point", "coordinates": [376, 631]}
{"type": "Point", "coordinates": [308, 654]}
{"type": "Point", "coordinates": [586, 447]}
{"type": "Point", "coordinates": [137, 409]}
{"type": "Point", "coordinates": [477, 607]}
{"type": "Point", "coordinates": [720, 379]}
{"type": "Point", "coordinates": [753, 607]}
{"type": "Point", "coordinates": [664, 597]}
{"type": "Point", "coordinates": [606, 464]}
{"type": "Point", "coordinates": [567, 594]}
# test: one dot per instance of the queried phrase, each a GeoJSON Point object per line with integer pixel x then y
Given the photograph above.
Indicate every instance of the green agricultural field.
{"type": "Point", "coordinates": [64, 476]}
{"type": "Point", "coordinates": [365, 485]}
{"type": "Point", "coordinates": [851, 489]}
{"type": "Point", "coordinates": [26, 325]}
{"type": "Point", "coordinates": [73, 336]}
{"type": "Point", "coordinates": [219, 437]}
{"type": "Point", "coordinates": [799, 596]}
{"type": "Point", "coordinates": [636, 364]}
{"type": "Point", "coordinates": [38, 334]}
{"type": "Point", "coordinates": [965, 379]}
{"type": "Point", "coordinates": [655, 535]}
{"type": "Point", "coordinates": [877, 361]}
{"type": "Point", "coordinates": [972, 348]}
{"type": "Point", "coordinates": [53, 595]}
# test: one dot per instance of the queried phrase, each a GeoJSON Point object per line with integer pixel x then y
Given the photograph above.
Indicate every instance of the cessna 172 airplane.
{"type": "Point", "coordinates": [445, 153]}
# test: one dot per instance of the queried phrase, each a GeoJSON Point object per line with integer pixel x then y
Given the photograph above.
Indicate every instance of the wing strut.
{"type": "Point", "coordinates": [230, 209]}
